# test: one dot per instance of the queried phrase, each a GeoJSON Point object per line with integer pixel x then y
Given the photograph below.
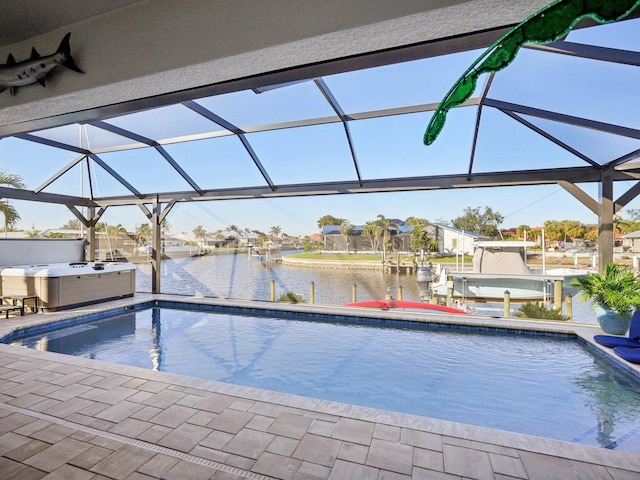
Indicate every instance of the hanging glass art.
{"type": "Point", "coordinates": [547, 25]}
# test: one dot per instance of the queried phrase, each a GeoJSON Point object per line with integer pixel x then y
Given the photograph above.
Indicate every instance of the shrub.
{"type": "Point", "coordinates": [538, 310]}
{"type": "Point", "coordinates": [616, 287]}
{"type": "Point", "coordinates": [291, 297]}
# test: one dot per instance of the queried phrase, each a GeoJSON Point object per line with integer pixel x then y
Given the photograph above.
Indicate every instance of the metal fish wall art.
{"type": "Point", "coordinates": [18, 74]}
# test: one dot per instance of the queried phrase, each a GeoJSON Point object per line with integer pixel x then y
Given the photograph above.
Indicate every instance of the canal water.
{"type": "Point", "coordinates": [238, 276]}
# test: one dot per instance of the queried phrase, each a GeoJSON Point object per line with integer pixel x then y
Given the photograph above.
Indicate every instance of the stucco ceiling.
{"type": "Point", "coordinates": [26, 19]}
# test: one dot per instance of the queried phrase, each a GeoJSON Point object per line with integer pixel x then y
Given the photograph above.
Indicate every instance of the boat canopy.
{"type": "Point", "coordinates": [500, 257]}
{"type": "Point", "coordinates": [504, 243]}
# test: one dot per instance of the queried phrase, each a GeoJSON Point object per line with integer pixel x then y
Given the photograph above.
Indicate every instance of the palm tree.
{"type": "Point", "coordinates": [522, 230]}
{"type": "Point", "coordinates": [383, 230]}
{"type": "Point", "coordinates": [199, 232]}
{"type": "Point", "coordinates": [620, 225]}
{"type": "Point", "coordinates": [11, 215]}
{"type": "Point", "coordinates": [275, 232]}
{"type": "Point", "coordinates": [218, 234]}
{"type": "Point", "coordinates": [346, 229]}
{"type": "Point", "coordinates": [369, 231]}
{"type": "Point", "coordinates": [165, 226]}
{"type": "Point", "coordinates": [239, 232]}
{"type": "Point", "coordinates": [143, 232]}
{"type": "Point", "coordinates": [235, 229]}
{"type": "Point", "coordinates": [575, 229]}
{"type": "Point", "coordinates": [379, 230]}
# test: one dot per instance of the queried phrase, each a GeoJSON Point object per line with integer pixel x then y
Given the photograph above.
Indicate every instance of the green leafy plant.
{"type": "Point", "coordinates": [616, 288]}
{"type": "Point", "coordinates": [291, 297]}
{"type": "Point", "coordinates": [538, 310]}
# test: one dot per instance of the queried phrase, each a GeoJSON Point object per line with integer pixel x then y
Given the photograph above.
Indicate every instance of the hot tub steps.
{"type": "Point", "coordinates": [11, 308]}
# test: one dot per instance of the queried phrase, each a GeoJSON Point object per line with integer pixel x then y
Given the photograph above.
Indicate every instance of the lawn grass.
{"type": "Point", "coordinates": [360, 257]}
{"type": "Point", "coordinates": [534, 258]}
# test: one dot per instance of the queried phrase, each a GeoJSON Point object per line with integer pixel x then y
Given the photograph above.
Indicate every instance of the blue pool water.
{"type": "Point", "coordinates": [550, 387]}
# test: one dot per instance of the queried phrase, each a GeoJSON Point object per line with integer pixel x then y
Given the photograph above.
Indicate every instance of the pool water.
{"type": "Point", "coordinates": [549, 387]}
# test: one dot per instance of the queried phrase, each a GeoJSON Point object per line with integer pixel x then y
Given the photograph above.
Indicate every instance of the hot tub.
{"type": "Point", "coordinates": [65, 285]}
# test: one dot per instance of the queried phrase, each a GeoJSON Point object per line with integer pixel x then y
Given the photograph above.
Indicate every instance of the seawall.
{"type": "Point", "coordinates": [343, 264]}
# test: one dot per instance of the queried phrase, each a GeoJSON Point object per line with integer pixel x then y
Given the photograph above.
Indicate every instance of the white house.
{"type": "Point", "coordinates": [631, 242]}
{"type": "Point", "coordinates": [456, 241]}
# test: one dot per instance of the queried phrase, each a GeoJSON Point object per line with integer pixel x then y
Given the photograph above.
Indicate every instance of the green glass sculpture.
{"type": "Point", "coordinates": [547, 25]}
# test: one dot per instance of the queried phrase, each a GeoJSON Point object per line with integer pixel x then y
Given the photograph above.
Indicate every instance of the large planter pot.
{"type": "Point", "coordinates": [612, 322]}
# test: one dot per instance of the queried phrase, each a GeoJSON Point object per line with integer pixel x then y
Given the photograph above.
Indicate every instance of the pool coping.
{"type": "Point", "coordinates": [463, 432]}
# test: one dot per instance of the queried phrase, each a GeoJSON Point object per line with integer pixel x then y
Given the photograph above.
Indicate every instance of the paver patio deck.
{"type": "Point", "coordinates": [65, 417]}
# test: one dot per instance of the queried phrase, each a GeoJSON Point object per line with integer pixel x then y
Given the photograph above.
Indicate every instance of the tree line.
{"type": "Point", "coordinates": [379, 232]}
{"type": "Point", "coordinates": [483, 221]}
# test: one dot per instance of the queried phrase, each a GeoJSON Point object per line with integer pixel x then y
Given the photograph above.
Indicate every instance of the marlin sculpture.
{"type": "Point", "coordinates": [18, 74]}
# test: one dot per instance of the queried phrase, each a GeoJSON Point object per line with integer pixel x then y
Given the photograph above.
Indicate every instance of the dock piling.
{"type": "Point", "coordinates": [507, 304]}
{"type": "Point", "coordinates": [449, 301]}
{"type": "Point", "coordinates": [557, 294]}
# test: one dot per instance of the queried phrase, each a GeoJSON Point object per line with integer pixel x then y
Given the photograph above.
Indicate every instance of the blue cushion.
{"type": "Point", "coordinates": [629, 354]}
{"type": "Point", "coordinates": [634, 328]}
{"type": "Point", "coordinates": [633, 340]}
{"type": "Point", "coordinates": [613, 341]}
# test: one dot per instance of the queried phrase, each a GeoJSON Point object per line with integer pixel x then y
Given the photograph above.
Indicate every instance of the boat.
{"type": "Point", "coordinates": [405, 305]}
{"type": "Point", "coordinates": [269, 253]}
{"type": "Point", "coordinates": [498, 266]}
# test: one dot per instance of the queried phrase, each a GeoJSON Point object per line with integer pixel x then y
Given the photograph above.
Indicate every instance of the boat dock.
{"type": "Point", "coordinates": [265, 255]}
{"type": "Point", "coordinates": [404, 267]}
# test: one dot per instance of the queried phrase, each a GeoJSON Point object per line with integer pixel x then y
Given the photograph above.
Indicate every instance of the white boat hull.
{"type": "Point", "coordinates": [486, 286]}
{"type": "Point", "coordinates": [498, 267]}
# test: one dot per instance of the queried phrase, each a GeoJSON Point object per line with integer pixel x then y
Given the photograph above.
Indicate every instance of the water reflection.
{"type": "Point", "coordinates": [155, 351]}
{"type": "Point", "coordinates": [79, 339]}
{"type": "Point", "coordinates": [607, 391]}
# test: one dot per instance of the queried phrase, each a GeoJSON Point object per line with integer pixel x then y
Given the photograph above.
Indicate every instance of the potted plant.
{"type": "Point", "coordinates": [615, 293]}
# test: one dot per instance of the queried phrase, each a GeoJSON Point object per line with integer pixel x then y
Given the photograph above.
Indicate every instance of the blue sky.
{"type": "Point", "coordinates": [386, 147]}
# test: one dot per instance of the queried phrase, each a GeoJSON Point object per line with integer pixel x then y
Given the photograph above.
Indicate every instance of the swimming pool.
{"type": "Point", "coordinates": [544, 386]}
